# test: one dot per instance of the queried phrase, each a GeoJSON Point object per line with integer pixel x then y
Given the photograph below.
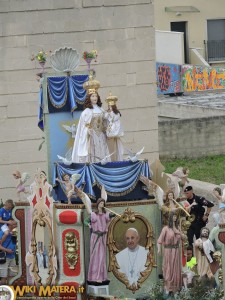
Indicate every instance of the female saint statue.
{"type": "Point", "coordinates": [90, 143]}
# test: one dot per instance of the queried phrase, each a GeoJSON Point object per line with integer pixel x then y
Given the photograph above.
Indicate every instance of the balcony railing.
{"type": "Point", "coordinates": [216, 50]}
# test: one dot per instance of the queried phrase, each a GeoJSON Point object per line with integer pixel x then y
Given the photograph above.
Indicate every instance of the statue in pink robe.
{"type": "Point", "coordinates": [99, 223]}
{"type": "Point", "coordinates": [170, 238]}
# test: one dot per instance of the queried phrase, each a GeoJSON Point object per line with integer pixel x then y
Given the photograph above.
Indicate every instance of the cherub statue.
{"type": "Point", "coordinates": [69, 184]}
{"type": "Point", "coordinates": [21, 179]}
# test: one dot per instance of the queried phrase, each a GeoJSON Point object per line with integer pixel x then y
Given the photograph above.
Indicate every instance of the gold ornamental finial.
{"type": "Point", "coordinates": [111, 100]}
{"type": "Point", "coordinates": [92, 85]}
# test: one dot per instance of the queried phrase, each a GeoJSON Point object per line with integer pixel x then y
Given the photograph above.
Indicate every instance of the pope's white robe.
{"type": "Point", "coordinates": [132, 261]}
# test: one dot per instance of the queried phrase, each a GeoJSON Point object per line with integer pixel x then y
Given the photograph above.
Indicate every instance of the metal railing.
{"type": "Point", "coordinates": [216, 50]}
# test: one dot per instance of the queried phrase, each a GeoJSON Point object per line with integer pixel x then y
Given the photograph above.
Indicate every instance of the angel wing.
{"type": "Point", "coordinates": [87, 202]}
{"type": "Point", "coordinates": [159, 195]}
{"type": "Point", "coordinates": [103, 193]}
{"type": "Point", "coordinates": [75, 177]}
{"type": "Point", "coordinates": [179, 172]}
{"type": "Point", "coordinates": [173, 184]}
{"type": "Point", "coordinates": [24, 177]}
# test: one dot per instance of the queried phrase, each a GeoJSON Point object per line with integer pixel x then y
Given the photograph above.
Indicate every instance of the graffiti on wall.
{"type": "Point", "coordinates": [168, 78]}
{"type": "Point", "coordinates": [198, 78]}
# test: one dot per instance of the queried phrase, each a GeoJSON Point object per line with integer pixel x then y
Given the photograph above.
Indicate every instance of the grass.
{"type": "Point", "coordinates": [210, 169]}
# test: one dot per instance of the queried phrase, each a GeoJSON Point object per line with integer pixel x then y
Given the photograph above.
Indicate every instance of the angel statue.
{"type": "Point", "coordinates": [21, 179]}
{"type": "Point", "coordinates": [177, 181]}
{"type": "Point", "coordinates": [69, 184]}
{"type": "Point", "coordinates": [99, 221]}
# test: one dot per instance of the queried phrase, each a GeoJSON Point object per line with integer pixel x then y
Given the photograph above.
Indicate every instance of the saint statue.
{"type": "Point", "coordinates": [90, 143]}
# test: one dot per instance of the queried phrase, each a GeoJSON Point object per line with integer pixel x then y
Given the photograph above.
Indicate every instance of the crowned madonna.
{"type": "Point", "coordinates": [90, 144]}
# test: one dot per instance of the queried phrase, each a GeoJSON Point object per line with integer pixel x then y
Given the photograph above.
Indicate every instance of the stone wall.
{"type": "Point", "coordinates": [121, 30]}
{"type": "Point", "coordinates": [192, 137]}
{"type": "Point", "coordinates": [187, 111]}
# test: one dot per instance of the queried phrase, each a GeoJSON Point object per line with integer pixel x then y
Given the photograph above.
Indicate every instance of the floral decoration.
{"type": "Point", "coordinates": [93, 54]}
{"type": "Point", "coordinates": [41, 56]}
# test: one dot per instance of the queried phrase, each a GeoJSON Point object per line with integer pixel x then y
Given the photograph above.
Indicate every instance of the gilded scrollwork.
{"type": "Point", "coordinates": [117, 228]}
{"type": "Point", "coordinates": [71, 246]}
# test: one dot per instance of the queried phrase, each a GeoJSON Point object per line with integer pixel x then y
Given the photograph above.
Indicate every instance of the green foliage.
{"type": "Point", "coordinates": [157, 292]}
{"type": "Point", "coordinates": [202, 290]}
{"type": "Point", "coordinates": [209, 169]}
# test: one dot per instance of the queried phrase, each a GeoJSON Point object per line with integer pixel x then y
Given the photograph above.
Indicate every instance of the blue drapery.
{"type": "Point", "coordinates": [118, 178]}
{"type": "Point", "coordinates": [76, 92]}
{"type": "Point", "coordinates": [41, 108]}
{"type": "Point", "coordinates": [69, 88]}
{"type": "Point", "coordinates": [64, 91]}
{"type": "Point", "coordinates": [57, 89]}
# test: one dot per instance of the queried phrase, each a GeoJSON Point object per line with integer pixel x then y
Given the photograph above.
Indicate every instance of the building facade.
{"type": "Point", "coordinates": [123, 34]}
{"type": "Point", "coordinates": [203, 25]}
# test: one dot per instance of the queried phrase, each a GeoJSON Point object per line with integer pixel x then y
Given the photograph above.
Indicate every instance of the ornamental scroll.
{"type": "Point", "coordinates": [117, 244]}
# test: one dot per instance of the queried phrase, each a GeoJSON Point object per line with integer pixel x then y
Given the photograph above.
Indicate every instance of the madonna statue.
{"type": "Point", "coordinates": [90, 143]}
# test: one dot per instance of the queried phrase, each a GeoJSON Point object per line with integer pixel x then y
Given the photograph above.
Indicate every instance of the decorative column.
{"type": "Point", "coordinates": [22, 216]}
{"type": "Point", "coordinates": [70, 244]}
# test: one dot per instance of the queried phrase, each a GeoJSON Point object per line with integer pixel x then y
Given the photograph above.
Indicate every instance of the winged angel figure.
{"type": "Point", "coordinates": [69, 184]}
{"type": "Point", "coordinates": [21, 179]}
{"type": "Point", "coordinates": [98, 221]}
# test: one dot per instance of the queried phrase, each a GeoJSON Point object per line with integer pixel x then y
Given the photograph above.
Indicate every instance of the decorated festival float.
{"type": "Point", "coordinates": [91, 223]}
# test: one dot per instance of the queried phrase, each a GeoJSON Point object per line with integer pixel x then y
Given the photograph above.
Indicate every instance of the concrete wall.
{"type": "Point", "coordinates": [173, 42]}
{"type": "Point", "coordinates": [123, 33]}
{"type": "Point", "coordinates": [192, 137]}
{"type": "Point", "coordinates": [186, 111]}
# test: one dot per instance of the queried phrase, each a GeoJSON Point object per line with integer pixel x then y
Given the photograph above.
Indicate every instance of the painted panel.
{"type": "Point", "coordinates": [58, 139]}
{"type": "Point", "coordinates": [198, 78]}
{"type": "Point", "coordinates": [168, 78]}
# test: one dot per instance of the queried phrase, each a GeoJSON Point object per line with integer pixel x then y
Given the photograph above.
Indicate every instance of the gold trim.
{"type": "Point", "coordinates": [71, 246]}
{"type": "Point", "coordinates": [129, 216]}
{"type": "Point", "coordinates": [71, 206]}
{"type": "Point", "coordinates": [22, 203]}
{"type": "Point", "coordinates": [108, 204]}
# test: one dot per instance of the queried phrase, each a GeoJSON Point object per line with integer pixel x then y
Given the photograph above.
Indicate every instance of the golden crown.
{"type": "Point", "coordinates": [111, 100]}
{"type": "Point", "coordinates": [92, 85]}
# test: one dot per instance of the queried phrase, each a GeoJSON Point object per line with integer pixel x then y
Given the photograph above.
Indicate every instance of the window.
{"type": "Point", "coordinates": [216, 40]}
